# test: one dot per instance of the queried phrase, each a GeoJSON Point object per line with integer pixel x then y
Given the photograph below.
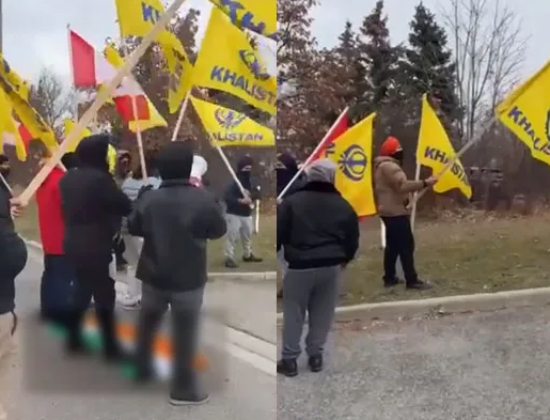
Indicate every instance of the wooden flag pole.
{"type": "Point", "coordinates": [414, 199]}
{"type": "Point", "coordinates": [179, 122]}
{"type": "Point", "coordinates": [136, 119]}
{"type": "Point", "coordinates": [99, 101]}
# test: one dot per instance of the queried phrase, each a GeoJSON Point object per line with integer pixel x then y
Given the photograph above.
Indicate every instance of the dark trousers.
{"type": "Point", "coordinates": [399, 244]}
{"type": "Point", "coordinates": [94, 280]}
{"type": "Point", "coordinates": [185, 312]}
{"type": "Point", "coordinates": [119, 248]}
{"type": "Point", "coordinates": [57, 287]}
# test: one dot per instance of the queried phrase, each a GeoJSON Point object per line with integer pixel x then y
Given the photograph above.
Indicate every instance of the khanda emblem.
{"type": "Point", "coordinates": [352, 162]}
{"type": "Point", "coordinates": [228, 119]}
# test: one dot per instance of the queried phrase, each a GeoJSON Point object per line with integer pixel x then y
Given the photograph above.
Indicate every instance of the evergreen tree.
{"type": "Point", "coordinates": [378, 59]}
{"type": "Point", "coordinates": [428, 65]}
{"type": "Point", "coordinates": [351, 69]}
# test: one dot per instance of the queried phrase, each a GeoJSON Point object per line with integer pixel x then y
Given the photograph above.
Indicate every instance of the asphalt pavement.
{"type": "Point", "coordinates": [491, 366]}
{"type": "Point", "coordinates": [50, 387]}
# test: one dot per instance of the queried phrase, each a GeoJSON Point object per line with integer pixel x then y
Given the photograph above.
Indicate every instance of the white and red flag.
{"type": "Point", "coordinates": [91, 70]}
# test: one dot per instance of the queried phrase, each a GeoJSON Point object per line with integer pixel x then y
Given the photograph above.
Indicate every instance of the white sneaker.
{"type": "Point", "coordinates": [132, 306]}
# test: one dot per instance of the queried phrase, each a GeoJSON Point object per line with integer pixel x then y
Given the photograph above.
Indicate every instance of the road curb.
{"type": "Point", "coordinates": [482, 302]}
{"type": "Point", "coordinates": [244, 276]}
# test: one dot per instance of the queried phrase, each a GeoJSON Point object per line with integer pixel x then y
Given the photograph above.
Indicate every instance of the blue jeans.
{"type": "Point", "coordinates": [58, 286]}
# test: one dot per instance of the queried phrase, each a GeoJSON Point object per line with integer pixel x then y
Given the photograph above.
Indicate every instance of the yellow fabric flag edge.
{"type": "Point", "coordinates": [200, 106]}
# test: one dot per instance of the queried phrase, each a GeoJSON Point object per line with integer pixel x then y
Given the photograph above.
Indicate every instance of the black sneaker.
{"type": "Point", "coordinates": [180, 399]}
{"type": "Point", "coordinates": [252, 259]}
{"type": "Point", "coordinates": [315, 363]}
{"type": "Point", "coordinates": [392, 283]}
{"type": "Point", "coordinates": [116, 355]}
{"type": "Point", "coordinates": [419, 285]}
{"type": "Point", "coordinates": [287, 367]}
{"type": "Point", "coordinates": [229, 263]}
{"type": "Point", "coordinates": [76, 348]}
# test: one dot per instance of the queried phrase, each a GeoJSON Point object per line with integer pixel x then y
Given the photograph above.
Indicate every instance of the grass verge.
{"type": "Point", "coordinates": [475, 254]}
{"type": "Point", "coordinates": [263, 242]}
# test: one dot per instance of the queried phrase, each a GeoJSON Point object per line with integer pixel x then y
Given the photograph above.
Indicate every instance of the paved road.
{"type": "Point", "coordinates": [51, 388]}
{"type": "Point", "coordinates": [482, 366]}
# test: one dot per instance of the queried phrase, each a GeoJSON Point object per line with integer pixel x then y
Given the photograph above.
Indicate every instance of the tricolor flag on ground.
{"type": "Point", "coordinates": [435, 149]}
{"type": "Point", "coordinates": [126, 333]}
{"type": "Point", "coordinates": [91, 70]}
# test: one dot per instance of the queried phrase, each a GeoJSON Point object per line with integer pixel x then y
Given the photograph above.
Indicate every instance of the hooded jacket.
{"type": "Point", "coordinates": [175, 221]}
{"type": "Point", "coordinates": [13, 253]}
{"type": "Point", "coordinates": [316, 226]}
{"type": "Point", "coordinates": [92, 205]}
{"type": "Point", "coordinates": [392, 188]}
{"type": "Point", "coordinates": [233, 193]}
{"type": "Point", "coordinates": [287, 168]}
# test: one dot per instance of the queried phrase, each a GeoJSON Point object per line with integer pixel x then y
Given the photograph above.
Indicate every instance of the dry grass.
{"type": "Point", "coordinates": [263, 243]}
{"type": "Point", "coordinates": [476, 254]}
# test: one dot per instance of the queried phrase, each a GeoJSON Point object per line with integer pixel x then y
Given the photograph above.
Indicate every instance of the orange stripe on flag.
{"type": "Point", "coordinates": [162, 346]}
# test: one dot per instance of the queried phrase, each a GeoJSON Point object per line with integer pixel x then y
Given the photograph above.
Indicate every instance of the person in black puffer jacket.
{"type": "Point", "coordinates": [319, 232]}
{"type": "Point", "coordinates": [13, 258]}
{"type": "Point", "coordinates": [93, 207]}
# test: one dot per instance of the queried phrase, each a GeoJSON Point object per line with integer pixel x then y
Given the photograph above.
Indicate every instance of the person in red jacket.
{"type": "Point", "coordinates": [58, 276]}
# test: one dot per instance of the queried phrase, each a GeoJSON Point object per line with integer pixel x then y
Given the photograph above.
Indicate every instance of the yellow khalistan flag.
{"type": "Point", "coordinates": [256, 16]}
{"type": "Point", "coordinates": [226, 127]}
{"type": "Point", "coordinates": [434, 150]}
{"type": "Point", "coordinates": [28, 116]}
{"type": "Point", "coordinates": [352, 152]}
{"type": "Point", "coordinates": [227, 62]}
{"type": "Point", "coordinates": [155, 119]}
{"type": "Point", "coordinates": [69, 125]}
{"type": "Point", "coordinates": [136, 18]}
{"type": "Point", "coordinates": [526, 112]}
{"type": "Point", "coordinates": [8, 128]}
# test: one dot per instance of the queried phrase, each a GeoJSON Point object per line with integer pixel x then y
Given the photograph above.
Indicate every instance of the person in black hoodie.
{"type": "Point", "coordinates": [317, 246]}
{"type": "Point", "coordinates": [13, 258]}
{"type": "Point", "coordinates": [239, 214]}
{"type": "Point", "coordinates": [93, 207]}
{"type": "Point", "coordinates": [175, 221]}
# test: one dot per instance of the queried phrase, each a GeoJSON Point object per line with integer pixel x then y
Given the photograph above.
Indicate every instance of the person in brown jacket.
{"type": "Point", "coordinates": [393, 190]}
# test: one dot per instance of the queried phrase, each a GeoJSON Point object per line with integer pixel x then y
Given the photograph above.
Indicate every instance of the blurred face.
{"type": "Point", "coordinates": [5, 169]}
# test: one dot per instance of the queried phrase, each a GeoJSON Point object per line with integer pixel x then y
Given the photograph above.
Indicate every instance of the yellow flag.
{"type": "Point", "coordinates": [526, 112]}
{"type": "Point", "coordinates": [155, 119]}
{"type": "Point", "coordinates": [28, 116]}
{"type": "Point", "coordinates": [9, 127]}
{"type": "Point", "coordinates": [228, 63]}
{"type": "Point", "coordinates": [256, 16]}
{"type": "Point", "coordinates": [352, 152]}
{"type": "Point", "coordinates": [68, 126]}
{"type": "Point", "coordinates": [226, 127]}
{"type": "Point", "coordinates": [434, 151]}
{"type": "Point", "coordinates": [136, 19]}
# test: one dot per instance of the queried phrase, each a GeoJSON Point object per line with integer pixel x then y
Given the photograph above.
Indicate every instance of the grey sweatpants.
{"type": "Point", "coordinates": [238, 228]}
{"type": "Point", "coordinates": [313, 290]}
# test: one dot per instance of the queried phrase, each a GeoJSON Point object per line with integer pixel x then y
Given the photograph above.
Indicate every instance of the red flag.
{"type": "Point", "coordinates": [339, 127]}
{"type": "Point", "coordinates": [91, 69]}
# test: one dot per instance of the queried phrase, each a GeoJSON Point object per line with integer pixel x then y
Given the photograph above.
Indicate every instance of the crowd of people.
{"type": "Point", "coordinates": [318, 236]}
{"type": "Point", "coordinates": [158, 225]}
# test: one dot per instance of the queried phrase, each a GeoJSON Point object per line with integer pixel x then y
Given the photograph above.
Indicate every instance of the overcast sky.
{"type": "Point", "coordinates": [331, 16]}
{"type": "Point", "coordinates": [35, 33]}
